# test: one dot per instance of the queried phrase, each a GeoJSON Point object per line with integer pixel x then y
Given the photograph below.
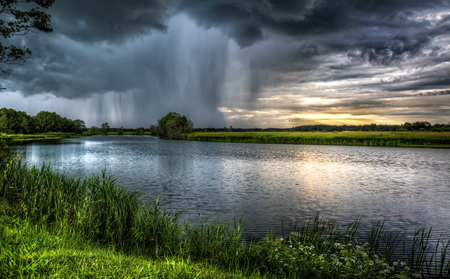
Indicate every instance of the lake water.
{"type": "Point", "coordinates": [265, 184]}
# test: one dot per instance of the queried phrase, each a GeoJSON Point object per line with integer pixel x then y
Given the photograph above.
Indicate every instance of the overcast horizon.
{"type": "Point", "coordinates": [240, 63]}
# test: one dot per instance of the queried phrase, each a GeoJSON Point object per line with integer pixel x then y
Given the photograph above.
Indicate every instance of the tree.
{"type": "Point", "coordinates": [153, 130]}
{"type": "Point", "coordinates": [93, 130]}
{"type": "Point", "coordinates": [120, 131]}
{"type": "Point", "coordinates": [79, 126]}
{"type": "Point", "coordinates": [105, 128]}
{"type": "Point", "coordinates": [49, 122]}
{"type": "Point", "coordinates": [19, 22]}
{"type": "Point", "coordinates": [173, 126]}
{"type": "Point", "coordinates": [15, 122]}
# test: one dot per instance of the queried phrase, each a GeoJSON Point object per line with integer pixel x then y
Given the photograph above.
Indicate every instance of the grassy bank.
{"type": "Point", "coordinates": [54, 223]}
{"type": "Point", "coordinates": [392, 139]}
{"type": "Point", "coordinates": [16, 138]}
{"type": "Point", "coordinates": [30, 251]}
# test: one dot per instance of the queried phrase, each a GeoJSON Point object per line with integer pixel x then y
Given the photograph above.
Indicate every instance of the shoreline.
{"type": "Point", "coordinates": [381, 139]}
{"type": "Point", "coordinates": [12, 139]}
{"type": "Point", "coordinates": [346, 138]}
{"type": "Point", "coordinates": [125, 227]}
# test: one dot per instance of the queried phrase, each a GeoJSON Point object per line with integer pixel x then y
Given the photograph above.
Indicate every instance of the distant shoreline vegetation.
{"type": "Point", "coordinates": [17, 126]}
{"type": "Point", "coordinates": [388, 139]}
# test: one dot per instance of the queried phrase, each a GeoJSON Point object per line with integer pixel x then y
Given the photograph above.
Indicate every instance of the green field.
{"type": "Point", "coordinates": [15, 138]}
{"type": "Point", "coordinates": [392, 139]}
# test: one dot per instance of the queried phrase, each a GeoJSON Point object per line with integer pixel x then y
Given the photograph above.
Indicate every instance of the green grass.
{"type": "Point", "coordinates": [393, 139]}
{"type": "Point", "coordinates": [29, 251]}
{"type": "Point", "coordinates": [102, 229]}
{"type": "Point", "coordinates": [15, 138]}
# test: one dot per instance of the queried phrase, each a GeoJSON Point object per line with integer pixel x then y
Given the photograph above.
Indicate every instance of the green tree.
{"type": "Point", "coordinates": [120, 131]}
{"type": "Point", "coordinates": [79, 126]}
{"type": "Point", "coordinates": [153, 130]}
{"type": "Point", "coordinates": [93, 130]}
{"type": "Point", "coordinates": [14, 22]}
{"type": "Point", "coordinates": [67, 125]}
{"type": "Point", "coordinates": [14, 122]}
{"type": "Point", "coordinates": [105, 128]}
{"type": "Point", "coordinates": [49, 122]}
{"type": "Point", "coordinates": [173, 126]}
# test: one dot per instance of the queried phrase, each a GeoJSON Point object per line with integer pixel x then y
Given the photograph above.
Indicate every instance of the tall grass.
{"type": "Point", "coordinates": [101, 211]}
{"type": "Point", "coordinates": [17, 138]}
{"type": "Point", "coordinates": [390, 139]}
{"type": "Point", "coordinates": [29, 251]}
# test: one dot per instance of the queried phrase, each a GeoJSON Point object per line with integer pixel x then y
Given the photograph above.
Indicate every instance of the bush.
{"type": "Point", "coordinates": [174, 126]}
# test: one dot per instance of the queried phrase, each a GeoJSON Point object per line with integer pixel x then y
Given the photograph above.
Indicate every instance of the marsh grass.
{"type": "Point", "coordinates": [388, 139]}
{"type": "Point", "coordinates": [103, 213]}
{"type": "Point", "coordinates": [17, 138]}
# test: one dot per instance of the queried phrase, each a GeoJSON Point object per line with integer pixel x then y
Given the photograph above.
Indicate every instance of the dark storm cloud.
{"type": "Point", "coordinates": [435, 93]}
{"type": "Point", "coordinates": [171, 54]}
{"type": "Point", "coordinates": [109, 20]}
{"type": "Point", "coordinates": [309, 19]}
{"type": "Point", "coordinates": [158, 72]}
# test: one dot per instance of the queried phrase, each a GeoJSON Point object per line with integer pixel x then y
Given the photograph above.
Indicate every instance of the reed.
{"type": "Point", "coordinates": [388, 139]}
{"type": "Point", "coordinates": [102, 212]}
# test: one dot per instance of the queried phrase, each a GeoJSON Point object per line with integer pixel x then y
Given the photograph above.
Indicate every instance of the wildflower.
{"type": "Point", "coordinates": [16, 159]}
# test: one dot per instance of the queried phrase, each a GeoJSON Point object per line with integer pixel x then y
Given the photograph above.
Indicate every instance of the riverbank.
{"type": "Point", "coordinates": [17, 138]}
{"type": "Point", "coordinates": [118, 226]}
{"type": "Point", "coordinates": [388, 139]}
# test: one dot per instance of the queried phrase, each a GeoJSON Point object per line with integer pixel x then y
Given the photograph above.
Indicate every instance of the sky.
{"type": "Point", "coordinates": [244, 63]}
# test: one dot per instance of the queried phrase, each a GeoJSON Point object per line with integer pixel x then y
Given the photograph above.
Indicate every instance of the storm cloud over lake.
{"type": "Point", "coordinates": [241, 63]}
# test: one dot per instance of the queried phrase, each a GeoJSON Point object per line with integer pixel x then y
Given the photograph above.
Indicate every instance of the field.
{"type": "Point", "coordinates": [12, 138]}
{"type": "Point", "coordinates": [391, 139]}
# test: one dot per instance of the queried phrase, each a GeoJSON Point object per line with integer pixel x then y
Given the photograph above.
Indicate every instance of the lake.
{"type": "Point", "coordinates": [267, 183]}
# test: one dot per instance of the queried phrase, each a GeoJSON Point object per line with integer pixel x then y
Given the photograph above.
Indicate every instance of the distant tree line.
{"type": "Point", "coordinates": [19, 122]}
{"type": "Point", "coordinates": [171, 126]}
{"type": "Point", "coordinates": [105, 129]}
{"type": "Point", "coordinates": [416, 126]}
{"type": "Point", "coordinates": [174, 126]}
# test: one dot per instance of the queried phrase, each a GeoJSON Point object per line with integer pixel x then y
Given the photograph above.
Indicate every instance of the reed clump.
{"type": "Point", "coordinates": [100, 211]}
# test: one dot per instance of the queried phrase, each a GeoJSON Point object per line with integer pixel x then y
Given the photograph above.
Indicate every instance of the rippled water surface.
{"type": "Point", "coordinates": [409, 188]}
